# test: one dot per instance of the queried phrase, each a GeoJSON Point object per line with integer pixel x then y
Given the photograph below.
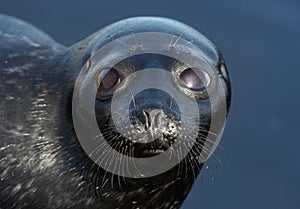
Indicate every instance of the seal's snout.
{"type": "Point", "coordinates": [155, 115]}
{"type": "Point", "coordinates": [156, 121]}
{"type": "Point", "coordinates": [153, 123]}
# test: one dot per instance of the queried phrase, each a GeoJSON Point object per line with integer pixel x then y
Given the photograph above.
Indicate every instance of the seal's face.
{"type": "Point", "coordinates": [149, 103]}
{"type": "Point", "coordinates": [155, 116]}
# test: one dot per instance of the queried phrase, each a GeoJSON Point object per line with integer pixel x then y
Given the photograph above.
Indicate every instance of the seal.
{"type": "Point", "coordinates": [43, 163]}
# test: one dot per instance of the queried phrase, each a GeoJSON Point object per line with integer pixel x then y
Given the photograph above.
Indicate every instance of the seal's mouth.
{"type": "Point", "coordinates": [151, 153]}
{"type": "Point", "coordinates": [158, 146]}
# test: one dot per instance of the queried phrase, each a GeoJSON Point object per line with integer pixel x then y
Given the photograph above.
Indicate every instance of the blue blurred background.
{"type": "Point", "coordinates": [260, 41]}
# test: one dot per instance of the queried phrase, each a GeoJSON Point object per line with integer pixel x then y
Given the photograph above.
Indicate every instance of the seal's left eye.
{"type": "Point", "coordinates": [194, 79]}
{"type": "Point", "coordinates": [109, 78]}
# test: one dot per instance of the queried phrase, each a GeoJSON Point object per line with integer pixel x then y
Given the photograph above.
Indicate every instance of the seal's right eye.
{"type": "Point", "coordinates": [108, 79]}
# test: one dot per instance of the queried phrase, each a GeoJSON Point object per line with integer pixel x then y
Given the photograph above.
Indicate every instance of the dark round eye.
{"type": "Point", "coordinates": [109, 78]}
{"type": "Point", "coordinates": [194, 79]}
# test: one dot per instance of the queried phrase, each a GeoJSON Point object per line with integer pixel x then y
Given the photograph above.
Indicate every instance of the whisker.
{"type": "Point", "coordinates": [126, 45]}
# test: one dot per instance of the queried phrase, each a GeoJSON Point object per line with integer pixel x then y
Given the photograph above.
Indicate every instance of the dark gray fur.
{"type": "Point", "coordinates": [41, 162]}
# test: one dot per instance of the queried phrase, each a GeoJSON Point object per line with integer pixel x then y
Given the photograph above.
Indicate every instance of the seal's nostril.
{"type": "Point", "coordinates": [147, 119]}
{"type": "Point", "coordinates": [153, 118]}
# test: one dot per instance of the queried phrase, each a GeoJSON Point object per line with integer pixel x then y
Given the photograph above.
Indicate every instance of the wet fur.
{"type": "Point", "coordinates": [41, 162]}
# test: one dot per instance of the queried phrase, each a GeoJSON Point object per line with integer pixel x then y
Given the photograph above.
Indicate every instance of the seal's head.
{"type": "Point", "coordinates": [152, 94]}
